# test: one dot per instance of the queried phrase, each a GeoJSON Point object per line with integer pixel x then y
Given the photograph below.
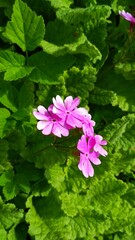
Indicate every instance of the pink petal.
{"type": "Point", "coordinates": [98, 138]}
{"type": "Point", "coordinates": [79, 113]}
{"type": "Point", "coordinates": [91, 142]}
{"type": "Point", "coordinates": [127, 16]}
{"type": "Point", "coordinates": [86, 167]}
{"type": "Point", "coordinates": [39, 116]}
{"type": "Point", "coordinates": [82, 144]}
{"type": "Point", "coordinates": [74, 104]}
{"type": "Point", "coordinates": [41, 125]}
{"type": "Point", "coordinates": [72, 121]}
{"type": "Point", "coordinates": [68, 102]}
{"type": "Point", "coordinates": [58, 112]}
{"type": "Point", "coordinates": [48, 129]}
{"type": "Point", "coordinates": [103, 142]}
{"type": "Point", "coordinates": [94, 158]}
{"type": "Point", "coordinates": [88, 130]}
{"type": "Point", "coordinates": [100, 150]}
{"type": "Point", "coordinates": [59, 130]}
{"type": "Point", "coordinates": [42, 109]}
{"type": "Point", "coordinates": [58, 103]}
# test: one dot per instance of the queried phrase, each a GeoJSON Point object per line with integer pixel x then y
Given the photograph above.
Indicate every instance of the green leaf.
{"type": "Point", "coordinates": [63, 39]}
{"type": "Point", "coordinates": [79, 80]}
{"type": "Point", "coordinates": [60, 3]}
{"type": "Point", "coordinates": [3, 232]}
{"type": "Point", "coordinates": [9, 215]}
{"type": "Point", "coordinates": [93, 15]}
{"type": "Point", "coordinates": [26, 29]}
{"type": "Point", "coordinates": [82, 45]}
{"type": "Point", "coordinates": [10, 188]}
{"type": "Point", "coordinates": [8, 95]}
{"type": "Point", "coordinates": [109, 80]}
{"type": "Point", "coordinates": [4, 114]}
{"type": "Point", "coordinates": [121, 133]}
{"type": "Point", "coordinates": [48, 68]}
{"type": "Point", "coordinates": [102, 97]}
{"type": "Point", "coordinates": [26, 96]}
{"type": "Point", "coordinates": [4, 162]}
{"type": "Point", "coordinates": [72, 203]}
{"type": "Point", "coordinates": [14, 65]}
{"type": "Point", "coordinates": [56, 177]}
{"type": "Point", "coordinates": [127, 69]}
{"type": "Point", "coordinates": [46, 219]}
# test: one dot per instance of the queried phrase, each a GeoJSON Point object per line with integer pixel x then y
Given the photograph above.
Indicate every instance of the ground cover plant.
{"type": "Point", "coordinates": [67, 53]}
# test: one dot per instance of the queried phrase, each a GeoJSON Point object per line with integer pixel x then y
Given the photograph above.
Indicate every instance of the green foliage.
{"type": "Point", "coordinates": [13, 64]}
{"type": "Point", "coordinates": [49, 68]}
{"type": "Point", "coordinates": [25, 28]}
{"type": "Point", "coordinates": [60, 3]}
{"type": "Point", "coordinates": [77, 48]}
{"type": "Point", "coordinates": [4, 113]}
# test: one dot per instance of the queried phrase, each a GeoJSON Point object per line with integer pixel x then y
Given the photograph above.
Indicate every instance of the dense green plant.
{"type": "Point", "coordinates": [66, 47]}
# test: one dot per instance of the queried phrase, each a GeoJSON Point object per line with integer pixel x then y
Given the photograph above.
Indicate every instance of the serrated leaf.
{"type": "Point", "coordinates": [48, 68]}
{"type": "Point", "coordinates": [127, 69]}
{"type": "Point", "coordinates": [18, 232]}
{"type": "Point", "coordinates": [124, 89]}
{"type": "Point", "coordinates": [102, 97]}
{"type": "Point", "coordinates": [82, 45]}
{"type": "Point", "coordinates": [93, 14]}
{"type": "Point", "coordinates": [9, 215]}
{"type": "Point", "coordinates": [14, 65]}
{"type": "Point", "coordinates": [56, 176]}
{"type": "Point", "coordinates": [8, 95]}
{"type": "Point", "coordinates": [26, 29]}
{"type": "Point", "coordinates": [63, 39]}
{"type": "Point", "coordinates": [121, 133]}
{"type": "Point", "coordinates": [4, 114]}
{"type": "Point", "coordinates": [60, 3]}
{"type": "Point", "coordinates": [48, 222]}
{"type": "Point", "coordinates": [10, 188]}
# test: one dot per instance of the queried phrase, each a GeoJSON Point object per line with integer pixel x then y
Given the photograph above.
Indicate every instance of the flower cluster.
{"type": "Point", "coordinates": [61, 117]}
{"type": "Point", "coordinates": [128, 17]}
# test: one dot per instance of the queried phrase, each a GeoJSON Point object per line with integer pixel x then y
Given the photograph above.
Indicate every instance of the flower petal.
{"type": "Point", "coordinates": [68, 102]}
{"type": "Point", "coordinates": [48, 129]}
{"type": "Point", "coordinates": [42, 109]}
{"type": "Point", "coordinates": [82, 144]}
{"type": "Point", "coordinates": [41, 125]}
{"type": "Point", "coordinates": [39, 116]}
{"type": "Point", "coordinates": [127, 16]}
{"type": "Point", "coordinates": [94, 158]}
{"type": "Point", "coordinates": [74, 104]}
{"type": "Point", "coordinates": [80, 113]}
{"type": "Point", "coordinates": [58, 103]}
{"type": "Point", "coordinates": [59, 130]}
{"type": "Point", "coordinates": [85, 166]}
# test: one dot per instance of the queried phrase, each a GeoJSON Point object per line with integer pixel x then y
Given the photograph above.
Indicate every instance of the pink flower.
{"type": "Point", "coordinates": [128, 17]}
{"type": "Point", "coordinates": [97, 148]}
{"type": "Point", "coordinates": [87, 156]}
{"type": "Point", "coordinates": [68, 111]}
{"type": "Point", "coordinates": [87, 125]}
{"type": "Point", "coordinates": [50, 122]}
